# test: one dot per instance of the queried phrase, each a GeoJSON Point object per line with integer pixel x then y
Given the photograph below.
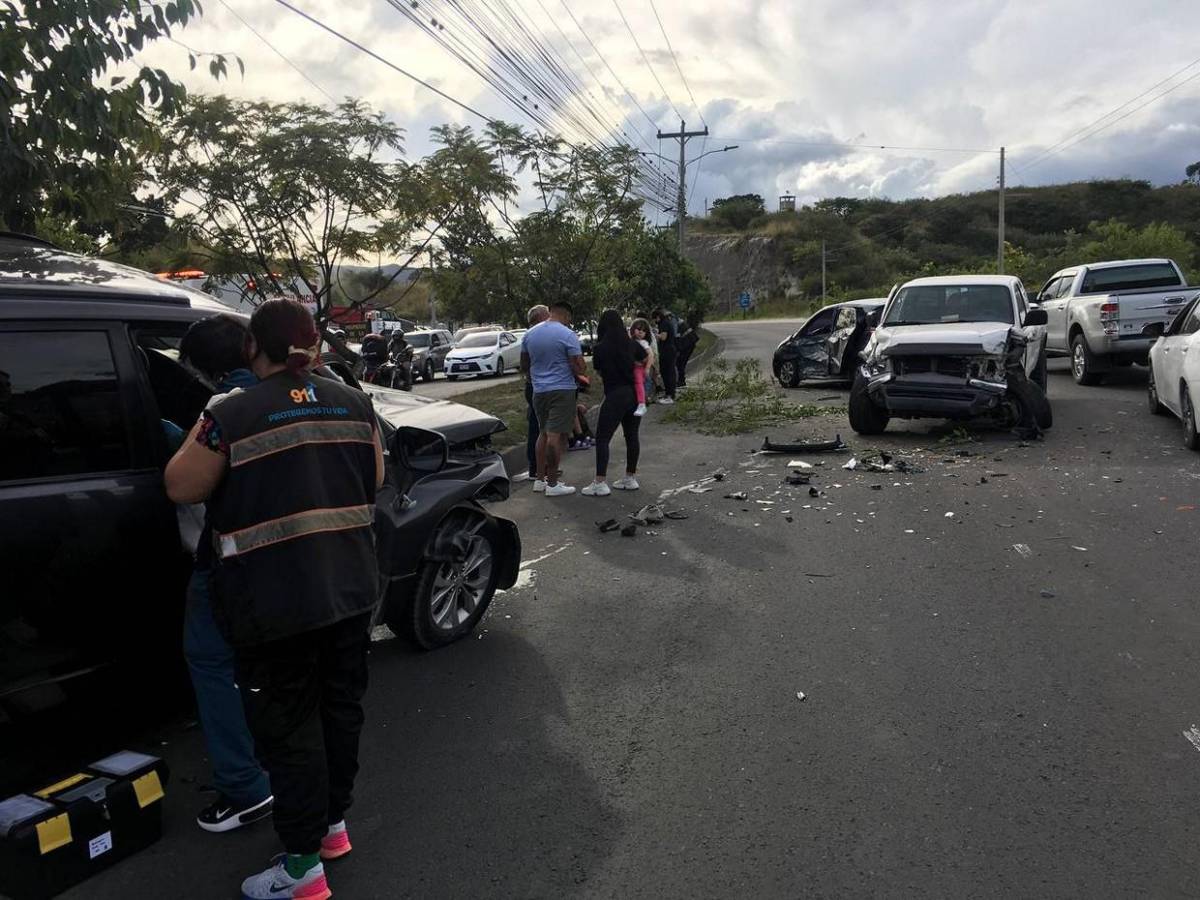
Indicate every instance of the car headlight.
{"type": "Point", "coordinates": [879, 365]}
{"type": "Point", "coordinates": [987, 368]}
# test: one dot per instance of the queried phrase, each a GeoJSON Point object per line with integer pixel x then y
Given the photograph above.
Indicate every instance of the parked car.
{"type": "Point", "coordinates": [1106, 314]}
{"type": "Point", "coordinates": [430, 346]}
{"type": "Point", "coordinates": [828, 344]}
{"type": "Point", "coordinates": [94, 567]}
{"type": "Point", "coordinates": [474, 329]}
{"type": "Point", "coordinates": [954, 347]}
{"type": "Point", "coordinates": [1175, 371]}
{"type": "Point", "coordinates": [484, 353]}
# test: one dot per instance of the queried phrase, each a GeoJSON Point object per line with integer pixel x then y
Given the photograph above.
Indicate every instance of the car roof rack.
{"type": "Point", "coordinates": [27, 238]}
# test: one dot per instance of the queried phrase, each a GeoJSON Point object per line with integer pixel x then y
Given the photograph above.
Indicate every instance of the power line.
{"type": "Point", "coordinates": [646, 59]}
{"type": "Point", "coordinates": [278, 52]}
{"type": "Point", "coordinates": [1055, 149]}
{"type": "Point", "coordinates": [846, 144]}
{"type": "Point", "coordinates": [678, 68]}
{"type": "Point", "coordinates": [386, 62]}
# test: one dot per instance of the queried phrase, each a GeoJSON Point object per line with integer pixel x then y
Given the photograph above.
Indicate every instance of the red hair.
{"type": "Point", "coordinates": [285, 331]}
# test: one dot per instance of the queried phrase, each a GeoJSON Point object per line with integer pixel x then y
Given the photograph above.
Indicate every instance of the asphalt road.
{"type": "Point", "coordinates": [999, 660]}
{"type": "Point", "coordinates": [442, 388]}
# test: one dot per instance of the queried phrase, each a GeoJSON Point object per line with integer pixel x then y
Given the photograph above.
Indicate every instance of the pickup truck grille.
{"type": "Point", "coordinates": [952, 366]}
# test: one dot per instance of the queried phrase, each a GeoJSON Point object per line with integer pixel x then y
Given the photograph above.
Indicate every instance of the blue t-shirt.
{"type": "Point", "coordinates": [550, 346]}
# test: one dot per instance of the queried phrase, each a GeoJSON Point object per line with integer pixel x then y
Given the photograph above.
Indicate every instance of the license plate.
{"type": "Point", "coordinates": [459, 367]}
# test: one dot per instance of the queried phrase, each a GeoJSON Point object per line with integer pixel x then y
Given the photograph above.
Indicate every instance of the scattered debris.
{"type": "Point", "coordinates": [675, 514]}
{"type": "Point", "coordinates": [788, 519]}
{"type": "Point", "coordinates": [884, 462]}
{"type": "Point", "coordinates": [718, 475]}
{"type": "Point", "coordinates": [1023, 550]}
{"type": "Point", "coordinates": [949, 515]}
{"type": "Point", "coordinates": [801, 447]}
{"type": "Point", "coordinates": [801, 696]}
{"type": "Point", "coordinates": [877, 487]}
{"type": "Point", "coordinates": [799, 478]}
{"type": "Point", "coordinates": [813, 492]}
{"type": "Point", "coordinates": [1047, 595]}
{"type": "Point", "coordinates": [629, 530]}
{"type": "Point", "coordinates": [698, 490]}
{"type": "Point", "coordinates": [1080, 549]}
{"type": "Point", "coordinates": [736, 495]}
{"type": "Point", "coordinates": [648, 515]}
{"type": "Point", "coordinates": [816, 575]}
{"type": "Point", "coordinates": [608, 525]}
{"type": "Point", "coordinates": [798, 464]}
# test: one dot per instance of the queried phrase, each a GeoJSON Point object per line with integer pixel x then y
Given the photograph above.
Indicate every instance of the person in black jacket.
{"type": "Point", "coordinates": [686, 343]}
{"type": "Point", "coordinates": [289, 468]}
{"type": "Point", "coordinates": [614, 357]}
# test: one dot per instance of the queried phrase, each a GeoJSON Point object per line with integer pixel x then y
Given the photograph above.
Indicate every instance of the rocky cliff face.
{"type": "Point", "coordinates": [736, 263]}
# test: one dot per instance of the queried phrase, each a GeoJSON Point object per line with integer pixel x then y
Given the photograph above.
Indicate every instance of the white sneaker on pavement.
{"type": "Point", "coordinates": [521, 476]}
{"type": "Point", "coordinates": [276, 884]}
{"type": "Point", "coordinates": [597, 489]}
{"type": "Point", "coordinates": [641, 410]}
{"type": "Point", "coordinates": [539, 486]}
{"type": "Point", "coordinates": [559, 490]}
{"type": "Point", "coordinates": [626, 483]}
{"type": "Point", "coordinates": [665, 401]}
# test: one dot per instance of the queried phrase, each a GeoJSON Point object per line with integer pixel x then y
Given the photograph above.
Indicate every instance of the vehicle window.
{"type": "Point", "coordinates": [1129, 278]}
{"type": "Point", "coordinates": [1022, 303]}
{"type": "Point", "coordinates": [821, 323]}
{"type": "Point", "coordinates": [417, 340]}
{"type": "Point", "coordinates": [935, 304]}
{"type": "Point", "coordinates": [1192, 324]}
{"type": "Point", "coordinates": [435, 340]}
{"type": "Point", "coordinates": [1051, 289]}
{"type": "Point", "coordinates": [484, 339]}
{"type": "Point", "coordinates": [60, 405]}
{"type": "Point", "coordinates": [847, 318]}
{"type": "Point", "coordinates": [179, 392]}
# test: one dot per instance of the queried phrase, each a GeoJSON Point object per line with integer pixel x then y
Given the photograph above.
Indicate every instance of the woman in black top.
{"type": "Point", "coordinates": [613, 357]}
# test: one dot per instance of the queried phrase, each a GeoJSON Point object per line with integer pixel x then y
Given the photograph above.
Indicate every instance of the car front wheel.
{"type": "Point", "coordinates": [452, 593]}
{"type": "Point", "coordinates": [1191, 439]}
{"type": "Point", "coordinates": [1083, 362]}
{"type": "Point", "coordinates": [789, 373]}
{"type": "Point", "coordinates": [866, 416]}
{"type": "Point", "coordinates": [1152, 400]}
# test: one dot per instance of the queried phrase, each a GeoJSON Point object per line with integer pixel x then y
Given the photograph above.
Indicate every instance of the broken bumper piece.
{"type": "Point", "coordinates": [818, 447]}
{"type": "Point", "coordinates": [937, 396]}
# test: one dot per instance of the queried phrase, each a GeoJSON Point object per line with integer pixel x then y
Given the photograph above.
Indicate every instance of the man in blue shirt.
{"type": "Point", "coordinates": [552, 356]}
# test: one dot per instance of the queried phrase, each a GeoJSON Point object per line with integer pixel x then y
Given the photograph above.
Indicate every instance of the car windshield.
{"type": "Point", "coordinates": [943, 303]}
{"type": "Point", "coordinates": [417, 340]}
{"type": "Point", "coordinates": [487, 339]}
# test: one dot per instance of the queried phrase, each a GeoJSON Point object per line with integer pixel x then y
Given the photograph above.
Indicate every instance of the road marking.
{"type": "Point", "coordinates": [382, 633]}
{"type": "Point", "coordinates": [1193, 736]}
{"type": "Point", "coordinates": [538, 559]}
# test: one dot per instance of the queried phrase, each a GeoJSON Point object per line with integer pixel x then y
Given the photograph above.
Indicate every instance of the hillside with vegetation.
{"type": "Point", "coordinates": [872, 244]}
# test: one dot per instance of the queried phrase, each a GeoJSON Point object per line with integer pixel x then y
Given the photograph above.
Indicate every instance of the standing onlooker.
{"type": "Point", "coordinates": [215, 347]}
{"type": "Point", "coordinates": [291, 466]}
{"type": "Point", "coordinates": [536, 315]}
{"type": "Point", "coordinates": [689, 337]}
{"type": "Point", "coordinates": [618, 358]}
{"type": "Point", "coordinates": [641, 332]}
{"type": "Point", "coordinates": [667, 353]}
{"type": "Point", "coordinates": [555, 360]}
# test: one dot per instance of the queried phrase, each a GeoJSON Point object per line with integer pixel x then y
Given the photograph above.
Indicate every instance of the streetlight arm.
{"type": "Point", "coordinates": [710, 152]}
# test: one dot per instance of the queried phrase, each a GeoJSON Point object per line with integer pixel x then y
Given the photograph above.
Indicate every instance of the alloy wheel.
{"type": "Point", "coordinates": [460, 587]}
{"type": "Point", "coordinates": [787, 373]}
{"type": "Point", "coordinates": [1079, 361]}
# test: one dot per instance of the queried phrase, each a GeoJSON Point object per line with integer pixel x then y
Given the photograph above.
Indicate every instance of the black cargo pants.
{"type": "Point", "coordinates": [303, 699]}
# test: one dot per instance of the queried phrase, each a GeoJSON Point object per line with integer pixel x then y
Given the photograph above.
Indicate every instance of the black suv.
{"type": "Point", "coordinates": [94, 573]}
{"type": "Point", "coordinates": [430, 346]}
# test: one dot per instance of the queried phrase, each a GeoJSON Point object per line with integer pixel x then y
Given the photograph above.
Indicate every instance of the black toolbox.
{"type": "Point", "coordinates": [56, 837]}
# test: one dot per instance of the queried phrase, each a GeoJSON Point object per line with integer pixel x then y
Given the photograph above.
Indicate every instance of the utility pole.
{"type": "Point", "coordinates": [822, 271]}
{"type": "Point", "coordinates": [682, 135]}
{"type": "Point", "coordinates": [432, 307]}
{"type": "Point", "coordinates": [1000, 221]}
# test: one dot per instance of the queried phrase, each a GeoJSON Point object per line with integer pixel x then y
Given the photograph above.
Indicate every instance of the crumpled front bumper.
{"type": "Point", "coordinates": [935, 396]}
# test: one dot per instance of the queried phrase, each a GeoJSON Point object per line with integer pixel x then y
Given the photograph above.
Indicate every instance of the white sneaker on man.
{"type": "Point", "coordinates": [597, 489]}
{"type": "Point", "coordinates": [521, 476]}
{"type": "Point", "coordinates": [641, 410]}
{"type": "Point", "coordinates": [665, 401]}
{"type": "Point", "coordinates": [626, 483]}
{"type": "Point", "coordinates": [539, 486]}
{"type": "Point", "coordinates": [559, 490]}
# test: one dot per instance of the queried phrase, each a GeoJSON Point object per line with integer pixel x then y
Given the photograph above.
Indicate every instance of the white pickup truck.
{"type": "Point", "coordinates": [1103, 315]}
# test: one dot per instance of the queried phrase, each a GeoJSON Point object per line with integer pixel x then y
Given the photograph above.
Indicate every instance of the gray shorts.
{"type": "Point", "coordinates": [555, 411]}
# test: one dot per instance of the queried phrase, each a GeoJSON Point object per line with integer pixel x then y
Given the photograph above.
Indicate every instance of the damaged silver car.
{"type": "Point", "coordinates": [955, 347]}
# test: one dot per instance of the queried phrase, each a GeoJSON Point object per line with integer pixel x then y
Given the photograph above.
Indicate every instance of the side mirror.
{"type": "Point", "coordinates": [1036, 317]}
{"type": "Point", "coordinates": [1154, 330]}
{"type": "Point", "coordinates": [418, 450]}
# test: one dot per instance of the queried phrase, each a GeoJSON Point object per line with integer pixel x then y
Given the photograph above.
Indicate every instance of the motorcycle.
{"type": "Point", "coordinates": [401, 376]}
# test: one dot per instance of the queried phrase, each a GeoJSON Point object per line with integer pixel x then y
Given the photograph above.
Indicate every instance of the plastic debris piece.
{"type": "Point", "coordinates": [800, 695]}
{"type": "Point", "coordinates": [799, 478]}
{"type": "Point", "coordinates": [813, 492]}
{"type": "Point", "coordinates": [1023, 550]}
{"type": "Point", "coordinates": [801, 447]}
{"type": "Point", "coordinates": [675, 515]}
{"type": "Point", "coordinates": [651, 514]}
{"type": "Point", "coordinates": [877, 487]}
{"type": "Point", "coordinates": [788, 519]}
{"type": "Point", "coordinates": [629, 530]}
{"type": "Point", "coordinates": [698, 490]}
{"type": "Point", "coordinates": [949, 515]}
{"type": "Point", "coordinates": [1080, 549]}
{"type": "Point", "coordinates": [1046, 594]}
{"type": "Point", "coordinates": [718, 475]}
{"type": "Point", "coordinates": [608, 525]}
{"type": "Point", "coordinates": [798, 464]}
{"type": "Point", "coordinates": [736, 495]}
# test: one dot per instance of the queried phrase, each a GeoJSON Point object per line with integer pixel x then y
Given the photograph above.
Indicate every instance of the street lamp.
{"type": "Point", "coordinates": [681, 206]}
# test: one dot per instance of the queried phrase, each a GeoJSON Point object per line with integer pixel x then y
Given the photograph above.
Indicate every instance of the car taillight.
{"type": "Point", "coordinates": [1110, 315]}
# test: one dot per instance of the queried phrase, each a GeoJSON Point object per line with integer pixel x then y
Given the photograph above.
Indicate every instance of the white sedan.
{"type": "Point", "coordinates": [485, 353]}
{"type": "Point", "coordinates": [1175, 371]}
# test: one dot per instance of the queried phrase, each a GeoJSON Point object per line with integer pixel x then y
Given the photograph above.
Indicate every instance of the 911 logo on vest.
{"type": "Point", "coordinates": [306, 395]}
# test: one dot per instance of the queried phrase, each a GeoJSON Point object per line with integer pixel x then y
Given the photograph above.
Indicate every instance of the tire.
{"type": "Point", "coordinates": [789, 373]}
{"type": "Point", "coordinates": [445, 608]}
{"type": "Point", "coordinates": [428, 374]}
{"type": "Point", "coordinates": [1191, 439]}
{"type": "Point", "coordinates": [1083, 362]}
{"type": "Point", "coordinates": [866, 416]}
{"type": "Point", "coordinates": [1152, 401]}
{"type": "Point", "coordinates": [1039, 371]}
{"type": "Point", "coordinates": [500, 368]}
{"type": "Point", "coordinates": [1031, 400]}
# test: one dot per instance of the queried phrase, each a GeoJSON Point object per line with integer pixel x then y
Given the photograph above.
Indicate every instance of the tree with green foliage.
{"type": "Point", "coordinates": [275, 193]}
{"type": "Point", "coordinates": [1193, 172]}
{"type": "Point", "coordinates": [737, 211]}
{"type": "Point", "coordinates": [1117, 240]}
{"type": "Point", "coordinates": [68, 141]}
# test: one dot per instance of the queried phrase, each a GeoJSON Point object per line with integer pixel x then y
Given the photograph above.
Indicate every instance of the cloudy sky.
{"type": "Point", "coordinates": [790, 83]}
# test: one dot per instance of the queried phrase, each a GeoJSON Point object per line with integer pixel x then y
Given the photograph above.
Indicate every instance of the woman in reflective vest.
{"type": "Point", "coordinates": [289, 468]}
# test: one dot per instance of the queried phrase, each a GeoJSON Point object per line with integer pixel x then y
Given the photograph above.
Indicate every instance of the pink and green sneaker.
{"type": "Point", "coordinates": [336, 842]}
{"type": "Point", "coordinates": [276, 884]}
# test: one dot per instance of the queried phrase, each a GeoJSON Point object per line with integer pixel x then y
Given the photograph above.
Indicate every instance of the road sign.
{"type": "Point", "coordinates": [744, 300]}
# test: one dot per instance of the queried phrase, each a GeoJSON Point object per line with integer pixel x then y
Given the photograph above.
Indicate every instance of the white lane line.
{"type": "Point", "coordinates": [538, 559]}
{"type": "Point", "coordinates": [1193, 736]}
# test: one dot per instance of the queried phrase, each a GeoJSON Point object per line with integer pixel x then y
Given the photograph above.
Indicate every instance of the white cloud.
{"type": "Point", "coordinates": [973, 74]}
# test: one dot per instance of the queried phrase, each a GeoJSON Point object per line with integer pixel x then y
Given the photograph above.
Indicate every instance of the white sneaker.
{"type": "Point", "coordinates": [641, 410]}
{"type": "Point", "coordinates": [539, 486]}
{"type": "Point", "coordinates": [559, 490]}
{"type": "Point", "coordinates": [521, 476]}
{"type": "Point", "coordinates": [597, 489]}
{"type": "Point", "coordinates": [627, 483]}
{"type": "Point", "coordinates": [666, 401]}
{"type": "Point", "coordinates": [276, 884]}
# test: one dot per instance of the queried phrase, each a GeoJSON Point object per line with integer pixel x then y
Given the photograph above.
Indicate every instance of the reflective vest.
{"type": "Point", "coordinates": [292, 520]}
